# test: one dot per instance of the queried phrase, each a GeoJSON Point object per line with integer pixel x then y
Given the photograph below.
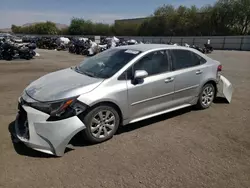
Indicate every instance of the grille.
{"type": "Point", "coordinates": [23, 102]}
{"type": "Point", "coordinates": [23, 122]}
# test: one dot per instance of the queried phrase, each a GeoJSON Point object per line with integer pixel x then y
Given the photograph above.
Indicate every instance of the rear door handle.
{"type": "Point", "coordinates": [171, 79]}
{"type": "Point", "coordinates": [198, 72]}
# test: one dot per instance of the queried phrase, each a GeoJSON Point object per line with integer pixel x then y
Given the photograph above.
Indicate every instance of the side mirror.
{"type": "Point", "coordinates": [140, 74]}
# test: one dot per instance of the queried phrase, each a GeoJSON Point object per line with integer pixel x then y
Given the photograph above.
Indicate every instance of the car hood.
{"type": "Point", "coordinates": [61, 84]}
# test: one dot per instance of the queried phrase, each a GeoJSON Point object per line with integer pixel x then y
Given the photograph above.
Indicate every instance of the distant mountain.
{"type": "Point", "coordinates": [58, 25]}
{"type": "Point", "coordinates": [5, 30]}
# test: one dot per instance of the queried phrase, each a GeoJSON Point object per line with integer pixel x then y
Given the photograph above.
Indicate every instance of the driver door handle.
{"type": "Point", "coordinates": [198, 72]}
{"type": "Point", "coordinates": [170, 79]}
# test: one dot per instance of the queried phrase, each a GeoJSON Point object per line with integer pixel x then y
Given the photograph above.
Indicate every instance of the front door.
{"type": "Point", "coordinates": [155, 92]}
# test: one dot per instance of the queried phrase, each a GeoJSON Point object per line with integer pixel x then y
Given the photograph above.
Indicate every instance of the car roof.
{"type": "Point", "coordinates": [147, 47]}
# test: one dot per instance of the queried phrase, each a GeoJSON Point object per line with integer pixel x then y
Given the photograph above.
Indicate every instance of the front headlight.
{"type": "Point", "coordinates": [53, 108]}
{"type": "Point", "coordinates": [61, 109]}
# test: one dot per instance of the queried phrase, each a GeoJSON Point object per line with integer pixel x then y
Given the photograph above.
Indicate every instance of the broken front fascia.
{"type": "Point", "coordinates": [50, 137]}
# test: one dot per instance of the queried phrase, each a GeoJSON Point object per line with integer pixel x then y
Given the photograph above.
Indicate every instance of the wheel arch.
{"type": "Point", "coordinates": [91, 107]}
{"type": "Point", "coordinates": [108, 103]}
{"type": "Point", "coordinates": [211, 81]}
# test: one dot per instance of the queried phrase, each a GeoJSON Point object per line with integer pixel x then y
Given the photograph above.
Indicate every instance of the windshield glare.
{"type": "Point", "coordinates": [107, 63]}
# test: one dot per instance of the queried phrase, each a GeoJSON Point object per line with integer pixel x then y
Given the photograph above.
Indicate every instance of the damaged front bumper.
{"type": "Point", "coordinates": [33, 129]}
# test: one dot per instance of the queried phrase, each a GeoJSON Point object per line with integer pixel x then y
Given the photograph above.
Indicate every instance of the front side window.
{"type": "Point", "coordinates": [107, 63]}
{"type": "Point", "coordinates": [183, 59]}
{"type": "Point", "coordinates": [154, 63]}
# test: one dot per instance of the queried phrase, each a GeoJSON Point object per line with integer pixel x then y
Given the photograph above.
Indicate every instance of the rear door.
{"type": "Point", "coordinates": [188, 70]}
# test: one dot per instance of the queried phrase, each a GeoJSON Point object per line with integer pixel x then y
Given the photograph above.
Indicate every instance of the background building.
{"type": "Point", "coordinates": [133, 20]}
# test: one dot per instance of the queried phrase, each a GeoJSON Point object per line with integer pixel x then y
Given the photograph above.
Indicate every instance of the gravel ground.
{"type": "Point", "coordinates": [187, 148]}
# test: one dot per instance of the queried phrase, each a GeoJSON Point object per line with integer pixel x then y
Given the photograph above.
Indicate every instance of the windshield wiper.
{"type": "Point", "coordinates": [83, 72]}
{"type": "Point", "coordinates": [90, 74]}
{"type": "Point", "coordinates": [76, 69]}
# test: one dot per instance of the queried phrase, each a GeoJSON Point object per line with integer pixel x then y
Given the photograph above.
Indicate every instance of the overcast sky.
{"type": "Point", "coordinates": [20, 12]}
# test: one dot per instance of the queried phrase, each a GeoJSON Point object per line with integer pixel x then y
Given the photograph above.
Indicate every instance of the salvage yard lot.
{"type": "Point", "coordinates": [187, 148]}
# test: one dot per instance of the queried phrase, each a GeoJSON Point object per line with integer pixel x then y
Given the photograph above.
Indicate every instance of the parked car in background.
{"type": "Point", "coordinates": [116, 87]}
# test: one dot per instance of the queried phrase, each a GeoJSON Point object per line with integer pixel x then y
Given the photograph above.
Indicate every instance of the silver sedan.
{"type": "Point", "coordinates": [117, 87]}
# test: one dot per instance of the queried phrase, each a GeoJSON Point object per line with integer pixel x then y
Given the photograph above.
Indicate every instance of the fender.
{"type": "Point", "coordinates": [209, 80]}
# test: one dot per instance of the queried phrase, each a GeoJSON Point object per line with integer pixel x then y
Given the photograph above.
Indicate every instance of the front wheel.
{"type": "Point", "coordinates": [101, 124]}
{"type": "Point", "coordinates": [206, 96]}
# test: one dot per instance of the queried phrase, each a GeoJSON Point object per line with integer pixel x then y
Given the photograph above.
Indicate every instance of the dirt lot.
{"type": "Point", "coordinates": [187, 148]}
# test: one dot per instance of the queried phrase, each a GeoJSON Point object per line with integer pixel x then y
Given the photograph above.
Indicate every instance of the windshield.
{"type": "Point", "coordinates": [107, 63]}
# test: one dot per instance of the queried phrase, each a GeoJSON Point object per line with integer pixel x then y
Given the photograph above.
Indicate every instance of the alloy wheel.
{"type": "Point", "coordinates": [102, 124]}
{"type": "Point", "coordinates": [207, 95]}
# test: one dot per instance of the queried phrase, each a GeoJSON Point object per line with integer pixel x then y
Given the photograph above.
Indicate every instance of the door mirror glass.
{"type": "Point", "coordinates": [140, 74]}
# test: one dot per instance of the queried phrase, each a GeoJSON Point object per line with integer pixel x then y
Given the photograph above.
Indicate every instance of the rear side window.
{"type": "Point", "coordinates": [198, 59]}
{"type": "Point", "coordinates": [183, 59]}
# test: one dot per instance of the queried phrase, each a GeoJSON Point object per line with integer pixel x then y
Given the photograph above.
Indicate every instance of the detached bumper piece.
{"type": "Point", "coordinates": [33, 129]}
{"type": "Point", "coordinates": [226, 88]}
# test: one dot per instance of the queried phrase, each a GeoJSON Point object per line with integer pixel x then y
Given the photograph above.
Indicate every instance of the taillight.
{"type": "Point", "coordinates": [219, 69]}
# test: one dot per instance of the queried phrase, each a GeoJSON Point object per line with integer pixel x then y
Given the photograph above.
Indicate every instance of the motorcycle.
{"type": "Point", "coordinates": [47, 43]}
{"type": "Point", "coordinates": [208, 48]}
{"type": "Point", "coordinates": [10, 50]}
{"type": "Point", "coordinates": [202, 50]}
{"type": "Point", "coordinates": [1, 49]}
{"type": "Point", "coordinates": [26, 52]}
{"type": "Point", "coordinates": [79, 46]}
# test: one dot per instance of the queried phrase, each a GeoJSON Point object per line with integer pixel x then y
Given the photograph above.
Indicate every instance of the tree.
{"type": "Point", "coordinates": [47, 28]}
{"type": "Point", "coordinates": [126, 29]}
{"type": "Point", "coordinates": [242, 16]}
{"type": "Point", "coordinates": [223, 17]}
{"type": "Point", "coordinates": [165, 10]}
{"type": "Point", "coordinates": [15, 29]}
{"type": "Point", "coordinates": [63, 31]}
{"type": "Point", "coordinates": [77, 26]}
{"type": "Point", "coordinates": [102, 29]}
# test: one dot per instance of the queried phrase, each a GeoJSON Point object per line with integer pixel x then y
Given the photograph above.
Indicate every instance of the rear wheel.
{"type": "Point", "coordinates": [101, 124]}
{"type": "Point", "coordinates": [206, 96]}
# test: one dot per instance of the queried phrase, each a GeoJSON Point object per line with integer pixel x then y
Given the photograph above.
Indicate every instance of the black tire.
{"type": "Point", "coordinates": [87, 119]}
{"type": "Point", "coordinates": [200, 104]}
{"type": "Point", "coordinates": [8, 57]}
{"type": "Point", "coordinates": [28, 57]}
